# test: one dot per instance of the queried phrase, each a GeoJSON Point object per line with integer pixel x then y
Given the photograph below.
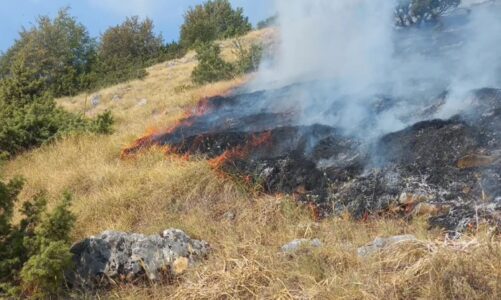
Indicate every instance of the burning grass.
{"type": "Point", "coordinates": [155, 191]}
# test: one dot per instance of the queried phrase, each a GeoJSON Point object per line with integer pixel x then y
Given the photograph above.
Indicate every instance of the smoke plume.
{"type": "Point", "coordinates": [350, 57]}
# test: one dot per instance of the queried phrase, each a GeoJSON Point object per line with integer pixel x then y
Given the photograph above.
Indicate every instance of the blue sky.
{"type": "Point", "coordinates": [97, 15]}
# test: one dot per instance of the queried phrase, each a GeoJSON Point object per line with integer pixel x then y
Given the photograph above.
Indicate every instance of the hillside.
{"type": "Point", "coordinates": [245, 227]}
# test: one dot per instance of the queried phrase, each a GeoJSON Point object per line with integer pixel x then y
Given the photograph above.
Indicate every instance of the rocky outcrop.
{"type": "Point", "coordinates": [114, 257]}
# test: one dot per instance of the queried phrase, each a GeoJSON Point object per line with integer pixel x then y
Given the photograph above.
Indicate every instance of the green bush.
{"type": "Point", "coordinates": [249, 58]}
{"type": "Point", "coordinates": [35, 253]}
{"type": "Point", "coordinates": [29, 117]}
{"type": "Point", "coordinates": [171, 51]}
{"type": "Point", "coordinates": [211, 67]}
{"type": "Point", "coordinates": [212, 20]}
{"type": "Point", "coordinates": [43, 274]}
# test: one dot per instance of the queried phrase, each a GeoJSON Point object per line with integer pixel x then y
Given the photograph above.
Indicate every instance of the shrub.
{"type": "Point", "coordinates": [248, 57]}
{"type": "Point", "coordinates": [214, 19]}
{"type": "Point", "coordinates": [29, 117]}
{"type": "Point", "coordinates": [171, 51]}
{"type": "Point", "coordinates": [43, 274]}
{"type": "Point", "coordinates": [35, 253]}
{"type": "Point", "coordinates": [211, 67]}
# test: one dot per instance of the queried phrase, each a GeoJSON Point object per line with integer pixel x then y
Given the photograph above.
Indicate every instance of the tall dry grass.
{"type": "Point", "coordinates": [153, 192]}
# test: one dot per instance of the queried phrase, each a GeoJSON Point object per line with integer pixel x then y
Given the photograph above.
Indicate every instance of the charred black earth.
{"type": "Point", "coordinates": [447, 169]}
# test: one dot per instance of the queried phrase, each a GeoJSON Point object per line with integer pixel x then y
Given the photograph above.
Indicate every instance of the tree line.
{"type": "Point", "coordinates": [57, 57]}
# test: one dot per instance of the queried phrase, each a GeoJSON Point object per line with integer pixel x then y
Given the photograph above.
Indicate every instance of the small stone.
{"type": "Point", "coordinates": [116, 98]}
{"type": "Point", "coordinates": [230, 216]}
{"type": "Point", "coordinates": [95, 100]}
{"type": "Point", "coordinates": [299, 243]}
{"type": "Point", "coordinates": [381, 243]}
{"type": "Point", "coordinates": [142, 102]}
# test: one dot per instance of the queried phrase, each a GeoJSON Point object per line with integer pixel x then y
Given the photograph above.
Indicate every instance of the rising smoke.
{"type": "Point", "coordinates": [353, 59]}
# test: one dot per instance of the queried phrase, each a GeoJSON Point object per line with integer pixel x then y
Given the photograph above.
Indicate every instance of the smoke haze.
{"type": "Point", "coordinates": [350, 58]}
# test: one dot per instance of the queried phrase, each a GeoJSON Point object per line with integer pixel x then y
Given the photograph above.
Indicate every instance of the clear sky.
{"type": "Point", "coordinates": [97, 15]}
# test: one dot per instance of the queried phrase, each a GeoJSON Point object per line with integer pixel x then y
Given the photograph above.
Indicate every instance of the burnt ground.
{"type": "Point", "coordinates": [448, 170]}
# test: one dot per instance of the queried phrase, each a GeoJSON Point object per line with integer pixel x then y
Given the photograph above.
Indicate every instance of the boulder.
{"type": "Point", "coordinates": [113, 257]}
{"type": "Point", "coordinates": [381, 243]}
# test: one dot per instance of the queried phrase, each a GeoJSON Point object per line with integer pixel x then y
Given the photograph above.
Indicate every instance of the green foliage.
{"type": "Point", "coordinates": [132, 40]}
{"type": "Point", "coordinates": [269, 22]}
{"type": "Point", "coordinates": [59, 53]}
{"type": "Point", "coordinates": [30, 117]}
{"type": "Point", "coordinates": [171, 51]}
{"type": "Point", "coordinates": [211, 67]}
{"type": "Point", "coordinates": [214, 19]}
{"type": "Point", "coordinates": [43, 274]}
{"type": "Point", "coordinates": [248, 57]}
{"type": "Point", "coordinates": [102, 124]}
{"type": "Point", "coordinates": [126, 49]}
{"type": "Point", "coordinates": [35, 253]}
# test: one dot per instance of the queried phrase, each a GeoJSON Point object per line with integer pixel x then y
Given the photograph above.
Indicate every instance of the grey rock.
{"type": "Point", "coordinates": [229, 216]}
{"type": "Point", "coordinates": [95, 100]}
{"type": "Point", "coordinates": [381, 243]}
{"type": "Point", "coordinates": [142, 102]}
{"type": "Point", "coordinates": [299, 243]}
{"type": "Point", "coordinates": [116, 256]}
{"type": "Point", "coordinates": [116, 98]}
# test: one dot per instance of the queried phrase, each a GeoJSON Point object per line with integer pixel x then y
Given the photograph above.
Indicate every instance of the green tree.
{"type": "Point", "coordinates": [211, 67]}
{"type": "Point", "coordinates": [59, 52]}
{"type": "Point", "coordinates": [214, 19]}
{"type": "Point", "coordinates": [125, 49]}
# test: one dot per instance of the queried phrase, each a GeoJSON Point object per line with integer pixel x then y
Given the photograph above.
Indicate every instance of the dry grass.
{"type": "Point", "coordinates": [154, 192]}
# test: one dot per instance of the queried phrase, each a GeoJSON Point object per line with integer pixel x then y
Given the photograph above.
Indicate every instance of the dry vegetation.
{"type": "Point", "coordinates": [154, 192]}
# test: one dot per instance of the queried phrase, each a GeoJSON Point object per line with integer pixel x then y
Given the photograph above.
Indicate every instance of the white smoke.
{"type": "Point", "coordinates": [354, 53]}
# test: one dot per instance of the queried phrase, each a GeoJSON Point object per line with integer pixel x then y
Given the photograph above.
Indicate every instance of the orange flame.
{"type": "Point", "coordinates": [241, 152]}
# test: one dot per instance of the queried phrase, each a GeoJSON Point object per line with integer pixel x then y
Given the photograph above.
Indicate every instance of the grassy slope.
{"type": "Point", "coordinates": [154, 192]}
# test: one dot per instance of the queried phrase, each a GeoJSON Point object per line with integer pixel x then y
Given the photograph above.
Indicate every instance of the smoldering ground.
{"type": "Point", "coordinates": [356, 114]}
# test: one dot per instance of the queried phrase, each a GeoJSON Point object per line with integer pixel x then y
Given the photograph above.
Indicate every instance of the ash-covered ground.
{"type": "Point", "coordinates": [417, 147]}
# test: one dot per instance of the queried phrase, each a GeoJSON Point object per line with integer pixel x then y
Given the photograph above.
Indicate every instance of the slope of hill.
{"type": "Point", "coordinates": [245, 228]}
